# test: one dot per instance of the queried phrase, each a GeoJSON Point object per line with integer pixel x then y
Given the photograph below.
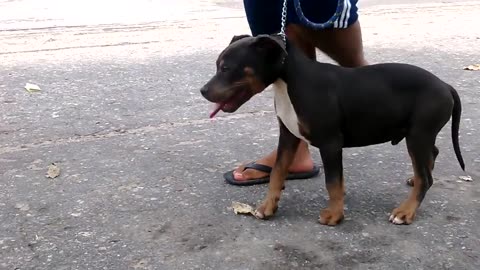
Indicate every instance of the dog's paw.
{"type": "Point", "coordinates": [330, 217]}
{"type": "Point", "coordinates": [404, 214]}
{"type": "Point", "coordinates": [267, 208]}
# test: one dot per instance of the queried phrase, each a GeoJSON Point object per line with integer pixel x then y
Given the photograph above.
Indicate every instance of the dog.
{"type": "Point", "coordinates": [333, 107]}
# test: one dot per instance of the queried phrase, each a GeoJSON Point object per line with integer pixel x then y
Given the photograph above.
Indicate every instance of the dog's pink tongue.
{"type": "Point", "coordinates": [217, 108]}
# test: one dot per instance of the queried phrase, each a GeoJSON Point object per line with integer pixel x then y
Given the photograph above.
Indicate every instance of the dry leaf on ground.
{"type": "Point", "coordinates": [242, 208]}
{"type": "Point", "coordinates": [472, 67]}
{"type": "Point", "coordinates": [53, 171]}
{"type": "Point", "coordinates": [31, 88]}
{"type": "Point", "coordinates": [466, 178]}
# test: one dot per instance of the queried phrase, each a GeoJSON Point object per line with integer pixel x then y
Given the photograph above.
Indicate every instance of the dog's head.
{"type": "Point", "coordinates": [245, 68]}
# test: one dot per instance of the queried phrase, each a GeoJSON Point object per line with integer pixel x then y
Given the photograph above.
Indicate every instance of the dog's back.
{"type": "Point", "coordinates": [371, 104]}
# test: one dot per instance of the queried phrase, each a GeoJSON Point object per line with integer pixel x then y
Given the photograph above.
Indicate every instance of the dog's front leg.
{"type": "Point", "coordinates": [287, 147]}
{"type": "Point", "coordinates": [333, 168]}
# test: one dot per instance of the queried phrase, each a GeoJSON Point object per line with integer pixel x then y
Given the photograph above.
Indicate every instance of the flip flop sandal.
{"type": "Point", "coordinates": [229, 178]}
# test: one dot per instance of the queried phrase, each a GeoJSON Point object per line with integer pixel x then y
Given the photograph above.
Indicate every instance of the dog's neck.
{"type": "Point", "coordinates": [279, 68]}
{"type": "Point", "coordinates": [278, 71]}
{"type": "Point", "coordinates": [282, 74]}
{"type": "Point", "coordinates": [283, 67]}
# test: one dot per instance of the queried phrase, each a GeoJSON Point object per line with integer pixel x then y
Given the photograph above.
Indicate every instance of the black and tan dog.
{"type": "Point", "coordinates": [332, 107]}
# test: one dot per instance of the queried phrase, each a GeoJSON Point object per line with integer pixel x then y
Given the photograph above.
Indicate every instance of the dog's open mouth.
{"type": "Point", "coordinates": [231, 104]}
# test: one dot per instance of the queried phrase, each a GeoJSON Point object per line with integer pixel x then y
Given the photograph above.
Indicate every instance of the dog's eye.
{"type": "Point", "coordinates": [224, 69]}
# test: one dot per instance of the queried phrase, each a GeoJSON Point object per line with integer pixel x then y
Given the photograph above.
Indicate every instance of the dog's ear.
{"type": "Point", "coordinates": [268, 42]}
{"type": "Point", "coordinates": [235, 38]}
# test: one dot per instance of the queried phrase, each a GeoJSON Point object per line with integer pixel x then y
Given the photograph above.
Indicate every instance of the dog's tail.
{"type": "Point", "coordinates": [456, 114]}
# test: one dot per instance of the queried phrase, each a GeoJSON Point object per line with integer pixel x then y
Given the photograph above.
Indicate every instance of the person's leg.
{"type": "Point", "coordinates": [344, 45]}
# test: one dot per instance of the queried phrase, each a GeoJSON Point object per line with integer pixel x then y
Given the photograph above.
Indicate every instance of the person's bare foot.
{"type": "Point", "coordinates": [302, 163]}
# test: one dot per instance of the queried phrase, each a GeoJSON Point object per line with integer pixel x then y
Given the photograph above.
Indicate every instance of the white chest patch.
{"type": "Point", "coordinates": [285, 110]}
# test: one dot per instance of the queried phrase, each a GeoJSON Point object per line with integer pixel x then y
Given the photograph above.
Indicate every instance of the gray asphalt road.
{"type": "Point", "coordinates": [141, 164]}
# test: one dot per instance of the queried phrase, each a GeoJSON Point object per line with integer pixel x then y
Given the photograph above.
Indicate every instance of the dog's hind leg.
{"type": "Point", "coordinates": [421, 147]}
{"type": "Point", "coordinates": [435, 152]}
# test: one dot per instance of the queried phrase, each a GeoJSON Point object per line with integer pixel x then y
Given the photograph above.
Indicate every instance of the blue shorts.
{"type": "Point", "coordinates": [264, 16]}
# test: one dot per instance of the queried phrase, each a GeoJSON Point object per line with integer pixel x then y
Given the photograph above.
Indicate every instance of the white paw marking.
{"type": "Point", "coordinates": [321, 220]}
{"type": "Point", "coordinates": [396, 220]}
{"type": "Point", "coordinates": [258, 214]}
{"type": "Point", "coordinates": [410, 181]}
{"type": "Point", "coordinates": [285, 110]}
